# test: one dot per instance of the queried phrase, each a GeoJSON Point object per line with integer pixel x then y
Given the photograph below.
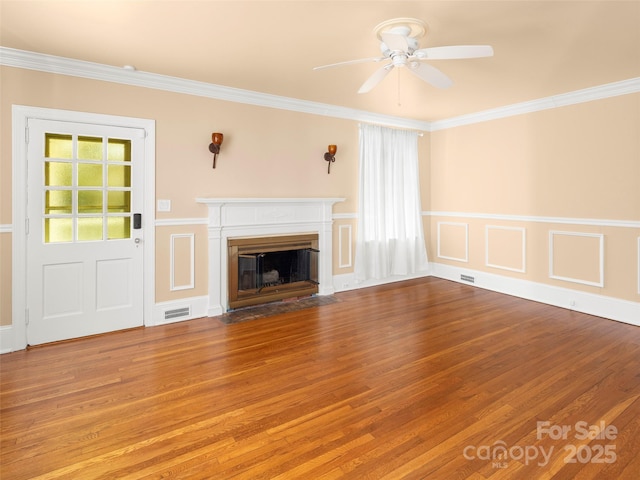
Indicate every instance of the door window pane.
{"type": "Point", "coordinates": [78, 180]}
{"type": "Point", "coordinates": [58, 146]}
{"type": "Point", "coordinates": [118, 228]}
{"type": "Point", "coordinates": [119, 150]}
{"type": "Point", "coordinates": [89, 175]}
{"type": "Point", "coordinates": [57, 174]}
{"type": "Point", "coordinates": [118, 201]}
{"type": "Point", "coordinates": [58, 230]}
{"type": "Point", "coordinates": [90, 148]}
{"type": "Point", "coordinates": [119, 176]}
{"type": "Point", "coordinates": [57, 202]}
{"type": "Point", "coordinates": [89, 201]}
{"type": "Point", "coordinates": [89, 228]}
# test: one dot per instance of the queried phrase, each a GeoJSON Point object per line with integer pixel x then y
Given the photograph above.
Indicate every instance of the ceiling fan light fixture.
{"type": "Point", "coordinates": [414, 27]}
{"type": "Point", "coordinates": [399, 60]}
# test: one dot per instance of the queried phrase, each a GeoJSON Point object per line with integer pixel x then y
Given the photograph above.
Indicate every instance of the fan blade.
{"type": "Point", "coordinates": [395, 41]}
{"type": "Point", "coordinates": [376, 78]}
{"type": "Point", "coordinates": [430, 74]}
{"type": "Point", "coordinates": [454, 52]}
{"type": "Point", "coordinates": [349, 62]}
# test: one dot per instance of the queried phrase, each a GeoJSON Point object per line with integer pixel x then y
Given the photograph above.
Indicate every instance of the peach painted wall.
{"type": "Point", "coordinates": [579, 163]}
{"type": "Point", "coordinates": [266, 153]}
{"type": "Point", "coordinates": [5, 277]}
{"type": "Point", "coordinates": [574, 161]}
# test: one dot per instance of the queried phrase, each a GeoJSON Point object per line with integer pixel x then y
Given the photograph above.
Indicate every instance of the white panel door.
{"type": "Point", "coordinates": [84, 242]}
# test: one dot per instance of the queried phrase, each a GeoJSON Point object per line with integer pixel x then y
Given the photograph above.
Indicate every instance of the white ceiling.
{"type": "Point", "coordinates": [542, 48]}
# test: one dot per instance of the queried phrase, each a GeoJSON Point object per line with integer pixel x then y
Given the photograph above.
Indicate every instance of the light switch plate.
{"type": "Point", "coordinates": [164, 205]}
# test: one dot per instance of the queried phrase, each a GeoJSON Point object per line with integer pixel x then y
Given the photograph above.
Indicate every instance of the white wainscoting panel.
{"type": "Point", "coordinates": [463, 227]}
{"type": "Point", "coordinates": [523, 248]}
{"type": "Point", "coordinates": [600, 259]}
{"type": "Point", "coordinates": [344, 244]}
{"type": "Point", "coordinates": [180, 238]}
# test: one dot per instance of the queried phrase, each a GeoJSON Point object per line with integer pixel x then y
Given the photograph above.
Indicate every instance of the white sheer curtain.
{"type": "Point", "coordinates": [390, 239]}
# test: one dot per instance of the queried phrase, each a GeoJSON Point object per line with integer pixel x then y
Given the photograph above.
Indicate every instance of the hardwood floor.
{"type": "Point", "coordinates": [419, 379]}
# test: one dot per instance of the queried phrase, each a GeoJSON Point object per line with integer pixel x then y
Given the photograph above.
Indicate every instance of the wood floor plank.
{"type": "Point", "coordinates": [405, 380]}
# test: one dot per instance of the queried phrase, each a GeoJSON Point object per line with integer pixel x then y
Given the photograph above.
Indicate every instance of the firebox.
{"type": "Point", "coordinates": [266, 269]}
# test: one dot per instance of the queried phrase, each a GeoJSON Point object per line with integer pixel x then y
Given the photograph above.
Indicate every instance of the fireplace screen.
{"type": "Point", "coordinates": [272, 268]}
{"type": "Point", "coordinates": [259, 270]}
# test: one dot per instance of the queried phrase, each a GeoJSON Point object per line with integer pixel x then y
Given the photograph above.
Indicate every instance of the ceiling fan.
{"type": "Point", "coordinates": [399, 45]}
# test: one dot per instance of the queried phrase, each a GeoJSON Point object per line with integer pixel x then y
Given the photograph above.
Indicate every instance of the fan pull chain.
{"type": "Point", "coordinates": [399, 103]}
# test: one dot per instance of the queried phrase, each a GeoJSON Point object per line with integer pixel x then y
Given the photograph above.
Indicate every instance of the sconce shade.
{"type": "Point", "coordinates": [214, 147]}
{"type": "Point", "coordinates": [330, 156]}
{"type": "Point", "coordinates": [216, 138]}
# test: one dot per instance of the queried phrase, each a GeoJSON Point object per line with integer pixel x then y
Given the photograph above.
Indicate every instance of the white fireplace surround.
{"type": "Point", "coordinates": [263, 217]}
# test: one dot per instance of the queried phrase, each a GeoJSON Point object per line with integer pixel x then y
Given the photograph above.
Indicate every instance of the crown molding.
{"type": "Point", "coordinates": [608, 90]}
{"type": "Point", "coordinates": [95, 71]}
{"type": "Point", "coordinates": [78, 68]}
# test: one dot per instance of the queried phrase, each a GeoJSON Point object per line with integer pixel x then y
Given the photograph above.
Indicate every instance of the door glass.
{"type": "Point", "coordinates": [58, 146]}
{"type": "Point", "coordinates": [90, 148]}
{"type": "Point", "coordinates": [75, 188]}
{"type": "Point", "coordinates": [119, 201]}
{"type": "Point", "coordinates": [57, 201]}
{"type": "Point", "coordinates": [89, 229]}
{"type": "Point", "coordinates": [58, 230]}
{"type": "Point", "coordinates": [119, 150]}
{"type": "Point", "coordinates": [89, 201]}
{"type": "Point", "coordinates": [118, 189]}
{"type": "Point", "coordinates": [58, 174]}
{"type": "Point", "coordinates": [90, 174]}
{"type": "Point", "coordinates": [119, 175]}
{"type": "Point", "coordinates": [118, 228]}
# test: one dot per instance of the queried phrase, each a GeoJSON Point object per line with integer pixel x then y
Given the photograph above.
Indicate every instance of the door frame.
{"type": "Point", "coordinates": [20, 116]}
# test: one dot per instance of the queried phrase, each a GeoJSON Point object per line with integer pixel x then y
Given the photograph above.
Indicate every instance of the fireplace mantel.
{"type": "Point", "coordinates": [242, 217]}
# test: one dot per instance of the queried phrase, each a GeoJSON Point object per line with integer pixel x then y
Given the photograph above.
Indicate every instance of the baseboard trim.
{"type": "Point", "coordinates": [196, 307]}
{"type": "Point", "coordinates": [6, 339]}
{"type": "Point", "coordinates": [599, 305]}
{"type": "Point", "coordinates": [347, 281]}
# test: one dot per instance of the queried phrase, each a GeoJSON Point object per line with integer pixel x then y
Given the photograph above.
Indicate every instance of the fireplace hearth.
{"type": "Point", "coordinates": [265, 269]}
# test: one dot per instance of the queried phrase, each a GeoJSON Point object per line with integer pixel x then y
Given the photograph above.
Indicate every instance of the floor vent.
{"type": "Point", "coordinates": [177, 312]}
{"type": "Point", "coordinates": [467, 278]}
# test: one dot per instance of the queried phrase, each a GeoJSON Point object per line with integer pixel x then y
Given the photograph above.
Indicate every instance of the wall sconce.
{"type": "Point", "coordinates": [330, 156]}
{"type": "Point", "coordinates": [214, 147]}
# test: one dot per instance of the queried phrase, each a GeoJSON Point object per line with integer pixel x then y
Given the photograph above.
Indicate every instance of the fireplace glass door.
{"type": "Point", "coordinates": [271, 269]}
